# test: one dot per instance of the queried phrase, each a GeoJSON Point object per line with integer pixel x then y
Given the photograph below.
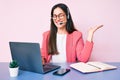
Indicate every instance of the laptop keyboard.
{"type": "Point", "coordinates": [49, 67]}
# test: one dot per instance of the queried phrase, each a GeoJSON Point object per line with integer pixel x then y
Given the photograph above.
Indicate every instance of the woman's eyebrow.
{"type": "Point", "coordinates": [58, 14]}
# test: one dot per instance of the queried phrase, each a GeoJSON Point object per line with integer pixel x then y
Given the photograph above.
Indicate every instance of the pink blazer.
{"type": "Point", "coordinates": [76, 50]}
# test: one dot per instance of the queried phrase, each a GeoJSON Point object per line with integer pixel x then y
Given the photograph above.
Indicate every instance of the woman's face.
{"type": "Point", "coordinates": [59, 18]}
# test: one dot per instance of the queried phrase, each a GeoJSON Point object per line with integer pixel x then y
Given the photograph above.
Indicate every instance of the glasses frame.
{"type": "Point", "coordinates": [60, 16]}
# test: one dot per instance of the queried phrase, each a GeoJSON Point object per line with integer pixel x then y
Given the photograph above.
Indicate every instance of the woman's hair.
{"type": "Point", "coordinates": [52, 48]}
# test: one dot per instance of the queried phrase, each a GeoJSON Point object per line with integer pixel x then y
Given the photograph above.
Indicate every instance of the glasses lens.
{"type": "Point", "coordinates": [60, 16]}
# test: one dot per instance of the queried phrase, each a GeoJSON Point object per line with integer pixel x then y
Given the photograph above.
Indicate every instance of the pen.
{"type": "Point", "coordinates": [94, 66]}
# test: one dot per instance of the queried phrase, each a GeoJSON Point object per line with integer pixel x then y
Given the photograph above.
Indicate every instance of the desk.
{"type": "Point", "coordinates": [72, 75]}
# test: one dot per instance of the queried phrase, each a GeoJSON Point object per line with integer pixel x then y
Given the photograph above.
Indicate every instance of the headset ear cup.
{"type": "Point", "coordinates": [68, 13]}
{"type": "Point", "coordinates": [68, 16]}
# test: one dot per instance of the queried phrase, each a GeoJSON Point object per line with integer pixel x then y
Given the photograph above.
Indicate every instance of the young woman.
{"type": "Point", "coordinates": [64, 43]}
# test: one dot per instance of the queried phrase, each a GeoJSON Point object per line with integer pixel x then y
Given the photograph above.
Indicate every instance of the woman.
{"type": "Point", "coordinates": [64, 43]}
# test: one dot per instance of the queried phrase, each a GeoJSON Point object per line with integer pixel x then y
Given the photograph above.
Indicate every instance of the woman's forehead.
{"type": "Point", "coordinates": [58, 11]}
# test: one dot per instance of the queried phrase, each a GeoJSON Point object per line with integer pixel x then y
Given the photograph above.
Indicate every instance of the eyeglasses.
{"type": "Point", "coordinates": [60, 16]}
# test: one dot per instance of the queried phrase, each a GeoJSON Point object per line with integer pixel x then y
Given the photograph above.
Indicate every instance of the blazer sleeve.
{"type": "Point", "coordinates": [44, 49]}
{"type": "Point", "coordinates": [83, 51]}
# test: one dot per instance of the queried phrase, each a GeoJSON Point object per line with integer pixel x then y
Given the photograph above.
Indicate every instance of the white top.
{"type": "Point", "coordinates": [61, 46]}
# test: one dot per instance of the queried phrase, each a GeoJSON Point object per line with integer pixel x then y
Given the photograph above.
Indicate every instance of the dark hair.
{"type": "Point", "coordinates": [52, 48]}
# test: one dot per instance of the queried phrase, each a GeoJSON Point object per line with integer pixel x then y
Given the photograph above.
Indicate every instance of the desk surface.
{"type": "Point", "coordinates": [72, 75]}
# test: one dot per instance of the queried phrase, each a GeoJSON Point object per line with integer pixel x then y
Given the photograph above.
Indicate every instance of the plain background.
{"type": "Point", "coordinates": [26, 20]}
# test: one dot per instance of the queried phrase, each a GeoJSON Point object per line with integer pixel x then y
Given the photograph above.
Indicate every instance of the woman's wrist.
{"type": "Point", "coordinates": [90, 37]}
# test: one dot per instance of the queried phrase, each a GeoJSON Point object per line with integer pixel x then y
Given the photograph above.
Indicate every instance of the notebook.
{"type": "Point", "coordinates": [92, 66]}
{"type": "Point", "coordinates": [29, 58]}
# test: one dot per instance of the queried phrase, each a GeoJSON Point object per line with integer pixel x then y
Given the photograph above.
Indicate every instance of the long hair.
{"type": "Point", "coordinates": [52, 48]}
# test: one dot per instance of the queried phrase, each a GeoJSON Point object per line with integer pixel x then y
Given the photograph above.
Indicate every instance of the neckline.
{"type": "Point", "coordinates": [61, 34]}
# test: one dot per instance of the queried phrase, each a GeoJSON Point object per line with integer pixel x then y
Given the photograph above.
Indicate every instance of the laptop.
{"type": "Point", "coordinates": [28, 56]}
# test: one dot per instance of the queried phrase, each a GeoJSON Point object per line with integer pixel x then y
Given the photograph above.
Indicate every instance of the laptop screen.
{"type": "Point", "coordinates": [27, 55]}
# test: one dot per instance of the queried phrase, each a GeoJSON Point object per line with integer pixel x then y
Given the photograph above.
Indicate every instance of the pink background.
{"type": "Point", "coordinates": [26, 20]}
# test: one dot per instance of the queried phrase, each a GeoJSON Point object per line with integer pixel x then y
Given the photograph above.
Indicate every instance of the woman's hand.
{"type": "Point", "coordinates": [43, 61]}
{"type": "Point", "coordinates": [91, 32]}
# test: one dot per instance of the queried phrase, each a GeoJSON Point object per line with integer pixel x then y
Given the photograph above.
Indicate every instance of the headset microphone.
{"type": "Point", "coordinates": [61, 23]}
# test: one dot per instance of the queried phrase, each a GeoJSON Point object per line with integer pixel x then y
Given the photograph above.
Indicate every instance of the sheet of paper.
{"type": "Point", "coordinates": [103, 66]}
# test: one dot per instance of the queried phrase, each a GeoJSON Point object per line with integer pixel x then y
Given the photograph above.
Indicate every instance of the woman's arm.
{"type": "Point", "coordinates": [84, 50]}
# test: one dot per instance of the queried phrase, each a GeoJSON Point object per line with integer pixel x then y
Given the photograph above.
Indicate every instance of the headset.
{"type": "Point", "coordinates": [68, 16]}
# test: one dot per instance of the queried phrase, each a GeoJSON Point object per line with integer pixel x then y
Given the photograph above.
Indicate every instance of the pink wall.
{"type": "Point", "coordinates": [26, 20]}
